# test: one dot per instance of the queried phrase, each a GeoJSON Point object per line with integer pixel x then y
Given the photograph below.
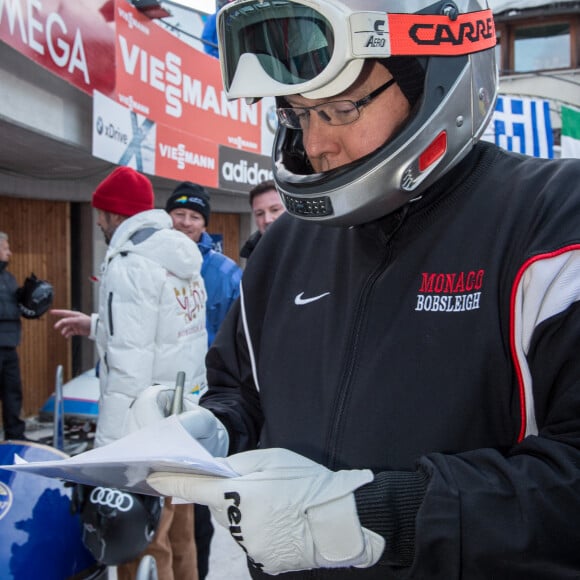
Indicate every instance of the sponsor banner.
{"type": "Point", "coordinates": [185, 157]}
{"type": "Point", "coordinates": [241, 171]}
{"type": "Point", "coordinates": [75, 40]}
{"type": "Point", "coordinates": [168, 114]}
{"type": "Point", "coordinates": [122, 136]}
{"type": "Point", "coordinates": [570, 132]}
{"type": "Point", "coordinates": [166, 80]}
{"type": "Point", "coordinates": [523, 125]}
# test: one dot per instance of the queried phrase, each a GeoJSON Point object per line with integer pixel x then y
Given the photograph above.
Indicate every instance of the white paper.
{"type": "Point", "coordinates": [126, 463]}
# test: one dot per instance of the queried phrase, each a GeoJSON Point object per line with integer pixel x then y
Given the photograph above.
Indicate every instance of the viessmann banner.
{"type": "Point", "coordinates": [125, 137]}
{"type": "Point", "coordinates": [165, 80]}
{"type": "Point", "coordinates": [158, 103]}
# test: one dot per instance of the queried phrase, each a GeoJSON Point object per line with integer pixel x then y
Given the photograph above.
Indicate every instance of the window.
{"type": "Point", "coordinates": [542, 47]}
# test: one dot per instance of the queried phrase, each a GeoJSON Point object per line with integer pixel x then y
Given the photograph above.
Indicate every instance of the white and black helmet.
{"type": "Point", "coordinates": [318, 48]}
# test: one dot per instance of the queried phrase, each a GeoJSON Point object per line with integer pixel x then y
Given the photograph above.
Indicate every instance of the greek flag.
{"type": "Point", "coordinates": [523, 125]}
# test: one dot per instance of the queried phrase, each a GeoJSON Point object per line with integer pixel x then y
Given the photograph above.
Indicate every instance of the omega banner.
{"type": "Point", "coordinates": [158, 103]}
{"type": "Point", "coordinates": [74, 39]}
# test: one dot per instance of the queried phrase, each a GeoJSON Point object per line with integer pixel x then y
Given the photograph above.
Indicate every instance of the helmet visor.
{"type": "Point", "coordinates": [284, 43]}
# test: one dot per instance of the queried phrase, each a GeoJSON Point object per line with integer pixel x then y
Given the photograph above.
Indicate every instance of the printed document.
{"type": "Point", "coordinates": [126, 463]}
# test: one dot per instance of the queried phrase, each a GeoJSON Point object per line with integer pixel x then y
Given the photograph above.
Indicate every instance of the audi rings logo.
{"type": "Point", "coordinates": [112, 498]}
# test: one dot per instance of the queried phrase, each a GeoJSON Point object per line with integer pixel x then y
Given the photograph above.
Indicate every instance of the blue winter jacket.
{"type": "Point", "coordinates": [222, 284]}
{"type": "Point", "coordinates": [209, 36]}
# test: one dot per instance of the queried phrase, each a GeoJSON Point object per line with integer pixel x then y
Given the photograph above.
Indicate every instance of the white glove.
{"type": "Point", "coordinates": [154, 404]}
{"type": "Point", "coordinates": [286, 512]}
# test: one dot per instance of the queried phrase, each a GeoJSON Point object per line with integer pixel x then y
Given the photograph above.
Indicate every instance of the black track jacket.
{"type": "Point", "coordinates": [443, 339]}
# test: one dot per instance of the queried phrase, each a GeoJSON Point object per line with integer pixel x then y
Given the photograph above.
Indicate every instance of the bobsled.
{"type": "Point", "coordinates": [41, 536]}
{"type": "Point", "coordinates": [80, 399]}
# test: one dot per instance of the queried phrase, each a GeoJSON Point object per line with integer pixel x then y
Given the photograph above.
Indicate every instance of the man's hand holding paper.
{"type": "Point", "coordinates": [166, 446]}
{"type": "Point", "coordinates": [154, 404]}
{"type": "Point", "coordinates": [286, 511]}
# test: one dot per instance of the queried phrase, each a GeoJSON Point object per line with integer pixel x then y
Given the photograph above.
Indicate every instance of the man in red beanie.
{"type": "Point", "coordinates": [150, 326]}
{"type": "Point", "coordinates": [124, 193]}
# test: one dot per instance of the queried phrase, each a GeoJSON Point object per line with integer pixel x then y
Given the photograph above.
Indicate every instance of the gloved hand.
{"type": "Point", "coordinates": [154, 404]}
{"type": "Point", "coordinates": [286, 511]}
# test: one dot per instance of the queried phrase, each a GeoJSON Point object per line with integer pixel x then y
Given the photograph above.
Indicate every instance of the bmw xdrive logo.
{"type": "Point", "coordinates": [271, 119]}
{"type": "Point", "coordinates": [5, 499]}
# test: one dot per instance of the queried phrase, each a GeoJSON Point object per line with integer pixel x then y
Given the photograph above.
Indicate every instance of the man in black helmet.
{"type": "Point", "coordinates": [31, 300]}
{"type": "Point", "coordinates": [400, 379]}
{"type": "Point", "coordinates": [10, 330]}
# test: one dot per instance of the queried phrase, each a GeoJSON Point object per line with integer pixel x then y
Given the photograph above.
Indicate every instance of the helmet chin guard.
{"type": "Point", "coordinates": [454, 42]}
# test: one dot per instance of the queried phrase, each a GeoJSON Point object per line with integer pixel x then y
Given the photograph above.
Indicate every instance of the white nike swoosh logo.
{"type": "Point", "coordinates": [300, 301]}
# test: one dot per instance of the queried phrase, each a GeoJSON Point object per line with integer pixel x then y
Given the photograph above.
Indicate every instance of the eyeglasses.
{"type": "Point", "coordinates": [332, 113]}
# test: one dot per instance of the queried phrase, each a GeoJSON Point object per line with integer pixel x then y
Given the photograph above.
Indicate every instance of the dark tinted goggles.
{"type": "Point", "coordinates": [292, 42]}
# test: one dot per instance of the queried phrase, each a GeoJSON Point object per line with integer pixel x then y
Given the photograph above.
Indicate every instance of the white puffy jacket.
{"type": "Point", "coordinates": [151, 320]}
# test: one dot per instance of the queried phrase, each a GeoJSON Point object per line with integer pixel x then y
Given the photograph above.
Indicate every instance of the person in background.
{"type": "Point", "coordinates": [267, 207]}
{"type": "Point", "coordinates": [10, 333]}
{"type": "Point", "coordinates": [209, 33]}
{"type": "Point", "coordinates": [190, 210]}
{"type": "Point", "coordinates": [400, 379]}
{"type": "Point", "coordinates": [150, 326]}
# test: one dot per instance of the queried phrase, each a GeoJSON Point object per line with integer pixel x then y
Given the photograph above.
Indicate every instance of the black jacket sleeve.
{"type": "Point", "coordinates": [518, 509]}
{"type": "Point", "coordinates": [232, 395]}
